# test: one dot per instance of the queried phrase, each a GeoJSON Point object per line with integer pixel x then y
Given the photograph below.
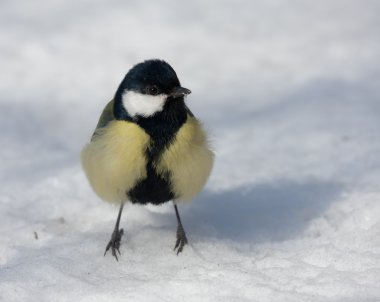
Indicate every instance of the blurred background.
{"type": "Point", "coordinates": [289, 91]}
{"type": "Point", "coordinates": [253, 67]}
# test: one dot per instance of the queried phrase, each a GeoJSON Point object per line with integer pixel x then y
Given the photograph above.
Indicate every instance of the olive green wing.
{"type": "Point", "coordinates": [106, 117]}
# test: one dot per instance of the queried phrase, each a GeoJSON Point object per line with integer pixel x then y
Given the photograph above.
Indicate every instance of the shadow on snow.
{"type": "Point", "coordinates": [267, 212]}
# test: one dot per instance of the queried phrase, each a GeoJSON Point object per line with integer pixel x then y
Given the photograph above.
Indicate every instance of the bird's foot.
{"type": "Point", "coordinates": [114, 243]}
{"type": "Point", "coordinates": [181, 239]}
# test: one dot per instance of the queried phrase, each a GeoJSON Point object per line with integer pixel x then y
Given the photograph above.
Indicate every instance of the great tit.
{"type": "Point", "coordinates": [148, 147]}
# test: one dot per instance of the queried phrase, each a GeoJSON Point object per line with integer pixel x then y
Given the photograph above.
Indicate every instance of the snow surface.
{"type": "Point", "coordinates": [289, 91]}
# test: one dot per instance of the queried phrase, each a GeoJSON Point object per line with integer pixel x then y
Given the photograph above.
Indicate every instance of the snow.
{"type": "Point", "coordinates": [289, 91]}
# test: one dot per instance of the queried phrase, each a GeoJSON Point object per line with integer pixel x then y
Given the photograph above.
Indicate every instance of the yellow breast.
{"type": "Point", "coordinates": [114, 161]}
{"type": "Point", "coordinates": [189, 160]}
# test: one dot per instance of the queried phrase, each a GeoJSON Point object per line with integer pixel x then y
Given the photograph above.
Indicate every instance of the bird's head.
{"type": "Point", "coordinates": [148, 89]}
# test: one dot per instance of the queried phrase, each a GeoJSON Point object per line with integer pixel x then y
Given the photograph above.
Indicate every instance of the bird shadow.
{"type": "Point", "coordinates": [266, 212]}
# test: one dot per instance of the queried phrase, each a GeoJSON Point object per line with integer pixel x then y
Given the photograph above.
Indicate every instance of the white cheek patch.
{"type": "Point", "coordinates": [143, 104]}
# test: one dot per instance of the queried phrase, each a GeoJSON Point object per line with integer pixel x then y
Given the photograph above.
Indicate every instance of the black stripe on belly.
{"type": "Point", "coordinates": [154, 189]}
{"type": "Point", "coordinates": [162, 128]}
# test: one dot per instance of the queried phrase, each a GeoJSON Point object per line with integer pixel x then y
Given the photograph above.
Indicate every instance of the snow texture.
{"type": "Point", "coordinates": [289, 91]}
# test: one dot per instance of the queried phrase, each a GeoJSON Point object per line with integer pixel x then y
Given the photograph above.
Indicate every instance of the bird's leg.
{"type": "Point", "coordinates": [114, 243]}
{"type": "Point", "coordinates": [181, 236]}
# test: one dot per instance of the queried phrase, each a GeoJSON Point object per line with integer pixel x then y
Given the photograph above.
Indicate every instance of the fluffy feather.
{"type": "Point", "coordinates": [189, 160]}
{"type": "Point", "coordinates": [114, 161]}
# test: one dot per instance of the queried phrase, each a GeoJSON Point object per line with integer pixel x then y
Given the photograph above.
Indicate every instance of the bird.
{"type": "Point", "coordinates": [148, 147]}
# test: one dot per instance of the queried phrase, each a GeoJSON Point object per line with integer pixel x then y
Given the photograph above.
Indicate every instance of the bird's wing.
{"type": "Point", "coordinates": [106, 117]}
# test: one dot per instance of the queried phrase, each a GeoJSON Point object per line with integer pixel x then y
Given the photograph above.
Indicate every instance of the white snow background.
{"type": "Point", "coordinates": [289, 91]}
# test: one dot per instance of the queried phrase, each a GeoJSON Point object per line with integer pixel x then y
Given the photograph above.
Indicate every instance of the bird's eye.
{"type": "Point", "coordinates": [152, 90]}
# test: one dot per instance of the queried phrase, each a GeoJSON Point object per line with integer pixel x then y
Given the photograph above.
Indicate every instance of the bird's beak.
{"type": "Point", "coordinates": [179, 91]}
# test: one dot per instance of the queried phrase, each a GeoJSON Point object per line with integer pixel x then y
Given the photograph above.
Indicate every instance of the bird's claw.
{"type": "Point", "coordinates": [114, 243]}
{"type": "Point", "coordinates": [181, 239]}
